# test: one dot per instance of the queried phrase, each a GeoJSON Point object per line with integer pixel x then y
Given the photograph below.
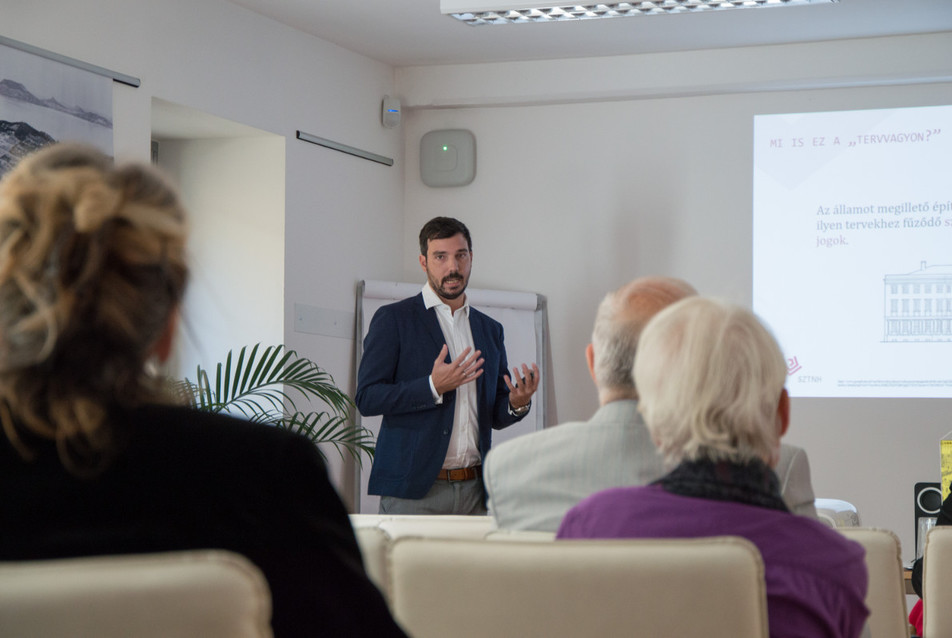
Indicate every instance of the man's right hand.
{"type": "Point", "coordinates": [468, 366]}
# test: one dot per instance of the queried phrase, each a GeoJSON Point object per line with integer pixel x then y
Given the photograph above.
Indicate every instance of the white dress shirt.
{"type": "Point", "coordinates": [463, 449]}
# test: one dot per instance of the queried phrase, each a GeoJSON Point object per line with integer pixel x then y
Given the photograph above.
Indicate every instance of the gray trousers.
{"type": "Point", "coordinates": [445, 497]}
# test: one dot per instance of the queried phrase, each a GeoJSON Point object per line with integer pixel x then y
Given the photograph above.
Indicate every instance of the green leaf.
{"type": "Point", "coordinates": [264, 386]}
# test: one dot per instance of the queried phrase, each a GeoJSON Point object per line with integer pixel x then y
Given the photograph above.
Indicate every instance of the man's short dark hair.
{"type": "Point", "coordinates": [442, 228]}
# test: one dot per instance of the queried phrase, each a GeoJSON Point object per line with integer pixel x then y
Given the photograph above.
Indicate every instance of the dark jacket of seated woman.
{"type": "Point", "coordinates": [93, 459]}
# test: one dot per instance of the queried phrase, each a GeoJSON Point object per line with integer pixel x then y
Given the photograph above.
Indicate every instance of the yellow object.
{"type": "Point", "coordinates": [945, 457]}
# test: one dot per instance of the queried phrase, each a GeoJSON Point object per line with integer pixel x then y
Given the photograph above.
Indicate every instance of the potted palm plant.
{"type": "Point", "coordinates": [261, 385]}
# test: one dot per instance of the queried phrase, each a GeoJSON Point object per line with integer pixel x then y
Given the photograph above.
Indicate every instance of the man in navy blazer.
{"type": "Point", "coordinates": [436, 369]}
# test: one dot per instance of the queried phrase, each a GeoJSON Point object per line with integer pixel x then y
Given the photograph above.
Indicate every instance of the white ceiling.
{"type": "Point", "coordinates": [414, 32]}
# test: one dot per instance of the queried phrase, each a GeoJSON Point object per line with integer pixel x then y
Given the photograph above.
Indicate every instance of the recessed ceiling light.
{"type": "Point", "coordinates": [478, 12]}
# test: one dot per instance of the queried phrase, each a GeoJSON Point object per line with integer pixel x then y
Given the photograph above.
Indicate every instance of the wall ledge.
{"type": "Point", "coordinates": [887, 61]}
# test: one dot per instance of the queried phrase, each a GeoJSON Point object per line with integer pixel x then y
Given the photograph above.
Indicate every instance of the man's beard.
{"type": "Point", "coordinates": [441, 290]}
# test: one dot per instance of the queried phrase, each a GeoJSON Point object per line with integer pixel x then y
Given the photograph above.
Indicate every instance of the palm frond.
{"type": "Point", "coordinates": [262, 385]}
{"type": "Point", "coordinates": [336, 430]}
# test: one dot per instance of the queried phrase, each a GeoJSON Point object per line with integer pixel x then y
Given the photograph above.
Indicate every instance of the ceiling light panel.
{"type": "Point", "coordinates": [479, 12]}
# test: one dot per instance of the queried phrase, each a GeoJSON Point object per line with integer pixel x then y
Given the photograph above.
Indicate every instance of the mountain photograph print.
{"type": "Point", "coordinates": [44, 101]}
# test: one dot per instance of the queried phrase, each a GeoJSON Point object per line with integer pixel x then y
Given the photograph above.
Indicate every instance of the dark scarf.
{"type": "Point", "coordinates": [751, 483]}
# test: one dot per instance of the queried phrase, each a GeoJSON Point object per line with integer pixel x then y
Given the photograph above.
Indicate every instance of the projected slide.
{"type": "Point", "coordinates": [852, 254]}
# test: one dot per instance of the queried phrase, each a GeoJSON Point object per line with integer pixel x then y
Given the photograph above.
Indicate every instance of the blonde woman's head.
{"type": "Point", "coordinates": [92, 270]}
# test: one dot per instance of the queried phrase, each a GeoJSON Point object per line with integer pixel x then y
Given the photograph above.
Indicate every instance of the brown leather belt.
{"type": "Point", "coordinates": [461, 474]}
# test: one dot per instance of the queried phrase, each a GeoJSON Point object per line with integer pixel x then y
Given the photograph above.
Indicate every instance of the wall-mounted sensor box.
{"type": "Point", "coordinates": [390, 111]}
{"type": "Point", "coordinates": [448, 158]}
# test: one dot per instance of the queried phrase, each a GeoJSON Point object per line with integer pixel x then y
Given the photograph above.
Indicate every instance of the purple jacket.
{"type": "Point", "coordinates": [815, 578]}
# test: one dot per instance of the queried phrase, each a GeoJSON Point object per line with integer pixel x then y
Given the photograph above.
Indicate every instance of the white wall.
{"type": "Point", "coordinates": [593, 172]}
{"type": "Point", "coordinates": [589, 172]}
{"type": "Point", "coordinates": [343, 215]}
{"type": "Point", "coordinates": [233, 190]}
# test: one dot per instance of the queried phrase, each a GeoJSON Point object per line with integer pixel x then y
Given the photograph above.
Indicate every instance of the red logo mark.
{"type": "Point", "coordinates": [792, 365]}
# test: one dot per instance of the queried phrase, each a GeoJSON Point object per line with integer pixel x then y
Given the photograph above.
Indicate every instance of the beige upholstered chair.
{"type": "Point", "coordinates": [435, 526]}
{"type": "Point", "coordinates": [366, 520]}
{"type": "Point", "coordinates": [374, 544]}
{"type": "Point", "coordinates": [200, 594]}
{"type": "Point", "coordinates": [836, 513]}
{"type": "Point", "coordinates": [519, 535]}
{"type": "Point", "coordinates": [937, 583]}
{"type": "Point", "coordinates": [374, 533]}
{"type": "Point", "coordinates": [886, 596]}
{"type": "Point", "coordinates": [703, 588]}
{"type": "Point", "coordinates": [474, 527]}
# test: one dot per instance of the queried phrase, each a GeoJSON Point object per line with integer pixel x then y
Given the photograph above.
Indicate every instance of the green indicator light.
{"type": "Point", "coordinates": [446, 148]}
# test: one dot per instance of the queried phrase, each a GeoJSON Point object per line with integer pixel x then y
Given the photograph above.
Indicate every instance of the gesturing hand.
{"type": "Point", "coordinates": [527, 382]}
{"type": "Point", "coordinates": [467, 367]}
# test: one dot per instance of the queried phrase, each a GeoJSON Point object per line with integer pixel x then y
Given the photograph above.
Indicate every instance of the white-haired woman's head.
{"type": "Point", "coordinates": [711, 383]}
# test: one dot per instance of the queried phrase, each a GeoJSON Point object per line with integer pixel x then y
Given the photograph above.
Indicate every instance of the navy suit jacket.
{"type": "Point", "coordinates": [403, 341]}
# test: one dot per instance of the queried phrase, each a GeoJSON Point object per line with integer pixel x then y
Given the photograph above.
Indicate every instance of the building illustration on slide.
{"type": "Point", "coordinates": [918, 305]}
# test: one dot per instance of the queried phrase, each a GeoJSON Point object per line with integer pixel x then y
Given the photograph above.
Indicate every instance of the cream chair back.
{"type": "Point", "coordinates": [200, 594]}
{"type": "Point", "coordinates": [374, 543]}
{"type": "Point", "coordinates": [426, 526]}
{"type": "Point", "coordinates": [836, 513]}
{"type": "Point", "coordinates": [690, 588]}
{"type": "Point", "coordinates": [937, 583]}
{"type": "Point", "coordinates": [886, 595]}
{"type": "Point", "coordinates": [519, 535]}
{"type": "Point", "coordinates": [367, 520]}
{"type": "Point", "coordinates": [374, 533]}
{"type": "Point", "coordinates": [472, 527]}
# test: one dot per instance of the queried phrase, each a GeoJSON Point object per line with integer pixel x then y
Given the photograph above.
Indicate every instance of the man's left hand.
{"type": "Point", "coordinates": [526, 383]}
